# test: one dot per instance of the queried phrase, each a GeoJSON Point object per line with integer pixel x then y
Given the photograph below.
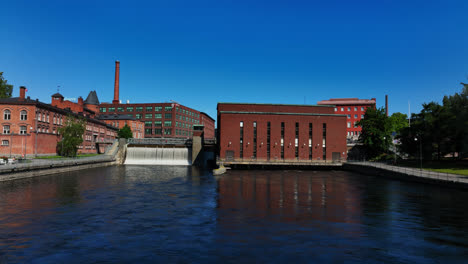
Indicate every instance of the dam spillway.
{"type": "Point", "coordinates": [158, 156]}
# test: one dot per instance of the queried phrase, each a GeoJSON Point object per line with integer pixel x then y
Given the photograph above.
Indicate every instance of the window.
{"type": "Point", "coordinates": [355, 116]}
{"type": "Point", "coordinates": [362, 116]}
{"type": "Point", "coordinates": [102, 109]}
{"type": "Point", "coordinates": [138, 116]}
{"type": "Point", "coordinates": [336, 109]}
{"type": "Point", "coordinates": [362, 108]}
{"type": "Point", "coordinates": [241, 150]}
{"type": "Point", "coordinates": [310, 141]}
{"type": "Point", "coordinates": [349, 124]}
{"type": "Point", "coordinates": [5, 143]}
{"type": "Point", "coordinates": [47, 118]}
{"type": "Point", "coordinates": [158, 108]}
{"type": "Point", "coordinates": [149, 108]}
{"type": "Point", "coordinates": [39, 116]}
{"type": "Point", "coordinates": [158, 116]}
{"type": "Point", "coordinates": [355, 108]}
{"type": "Point", "coordinates": [349, 116]}
{"type": "Point", "coordinates": [148, 123]}
{"type": "Point", "coordinates": [6, 129]}
{"type": "Point", "coordinates": [324, 141]}
{"type": "Point", "coordinates": [129, 108]}
{"type": "Point", "coordinates": [149, 116]}
{"type": "Point", "coordinates": [167, 116]}
{"type": "Point", "coordinates": [168, 108]}
{"type": "Point", "coordinates": [158, 131]}
{"type": "Point", "coordinates": [268, 139]}
{"type": "Point", "coordinates": [7, 115]}
{"type": "Point", "coordinates": [282, 140]}
{"type": "Point", "coordinates": [167, 123]}
{"type": "Point", "coordinates": [111, 109]}
{"type": "Point", "coordinates": [254, 140]}
{"type": "Point", "coordinates": [157, 123]}
{"type": "Point", "coordinates": [342, 109]}
{"type": "Point", "coordinates": [167, 131]}
{"type": "Point", "coordinates": [296, 142]}
{"type": "Point", "coordinates": [148, 131]}
{"type": "Point", "coordinates": [23, 130]}
{"type": "Point", "coordinates": [120, 109]}
{"type": "Point", "coordinates": [139, 109]}
{"type": "Point", "coordinates": [23, 115]}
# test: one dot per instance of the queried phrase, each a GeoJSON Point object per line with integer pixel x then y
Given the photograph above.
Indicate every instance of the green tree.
{"type": "Point", "coordinates": [5, 88]}
{"type": "Point", "coordinates": [125, 132]}
{"type": "Point", "coordinates": [376, 132]}
{"type": "Point", "coordinates": [72, 136]}
{"type": "Point", "coordinates": [398, 121]}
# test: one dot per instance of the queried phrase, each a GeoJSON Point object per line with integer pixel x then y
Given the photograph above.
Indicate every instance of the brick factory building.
{"type": "Point", "coordinates": [354, 109]}
{"type": "Point", "coordinates": [171, 120]}
{"type": "Point", "coordinates": [277, 132]}
{"type": "Point", "coordinates": [30, 127]}
{"type": "Point", "coordinates": [119, 121]}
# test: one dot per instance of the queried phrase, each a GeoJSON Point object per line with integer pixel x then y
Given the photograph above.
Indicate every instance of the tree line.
{"type": "Point", "coordinates": [437, 131]}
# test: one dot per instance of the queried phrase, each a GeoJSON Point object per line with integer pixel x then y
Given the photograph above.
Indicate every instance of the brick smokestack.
{"type": "Point", "coordinates": [22, 93]}
{"type": "Point", "coordinates": [80, 100]}
{"type": "Point", "coordinates": [386, 104]}
{"type": "Point", "coordinates": [116, 83]}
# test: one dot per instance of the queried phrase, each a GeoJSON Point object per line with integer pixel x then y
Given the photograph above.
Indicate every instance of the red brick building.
{"type": "Point", "coordinates": [354, 109]}
{"type": "Point", "coordinates": [170, 120]}
{"type": "Point", "coordinates": [266, 132]}
{"type": "Point", "coordinates": [30, 127]}
{"type": "Point", "coordinates": [119, 121]}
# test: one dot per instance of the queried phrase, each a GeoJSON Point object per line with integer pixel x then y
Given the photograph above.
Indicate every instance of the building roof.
{"type": "Point", "coordinates": [205, 114]}
{"type": "Point", "coordinates": [37, 103]}
{"type": "Point", "coordinates": [271, 104]}
{"type": "Point", "coordinates": [92, 98]}
{"type": "Point", "coordinates": [279, 113]}
{"type": "Point", "coordinates": [57, 95]}
{"type": "Point", "coordinates": [116, 117]}
{"type": "Point", "coordinates": [347, 101]}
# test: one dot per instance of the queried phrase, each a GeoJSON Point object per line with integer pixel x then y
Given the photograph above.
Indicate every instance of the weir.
{"type": "Point", "coordinates": [158, 156]}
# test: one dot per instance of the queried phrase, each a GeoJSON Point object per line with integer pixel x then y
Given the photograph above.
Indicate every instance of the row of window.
{"type": "Point", "coordinates": [354, 133]}
{"type": "Point", "coordinates": [349, 109]}
{"type": "Point", "coordinates": [355, 116]}
{"type": "Point", "coordinates": [7, 115]}
{"type": "Point", "coordinates": [351, 124]}
{"type": "Point", "coordinates": [296, 140]}
{"type": "Point", "coordinates": [137, 109]}
{"type": "Point", "coordinates": [158, 131]}
{"type": "Point", "coordinates": [6, 129]}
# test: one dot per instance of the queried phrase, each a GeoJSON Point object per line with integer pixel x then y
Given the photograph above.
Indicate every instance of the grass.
{"type": "Point", "coordinates": [459, 167]}
{"type": "Point", "coordinates": [61, 157]}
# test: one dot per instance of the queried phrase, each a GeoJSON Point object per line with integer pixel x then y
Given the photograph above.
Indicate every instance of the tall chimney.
{"type": "Point", "coordinates": [386, 104]}
{"type": "Point", "coordinates": [22, 93]}
{"type": "Point", "coordinates": [116, 82]}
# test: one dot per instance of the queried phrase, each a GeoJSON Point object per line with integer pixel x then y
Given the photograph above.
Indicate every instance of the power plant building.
{"type": "Point", "coordinates": [280, 133]}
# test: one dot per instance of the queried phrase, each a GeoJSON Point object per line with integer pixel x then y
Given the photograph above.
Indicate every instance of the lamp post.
{"type": "Point", "coordinates": [420, 151]}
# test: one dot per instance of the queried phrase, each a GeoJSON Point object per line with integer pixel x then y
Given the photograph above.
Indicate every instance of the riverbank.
{"type": "Point", "coordinates": [40, 167]}
{"type": "Point", "coordinates": [408, 174]}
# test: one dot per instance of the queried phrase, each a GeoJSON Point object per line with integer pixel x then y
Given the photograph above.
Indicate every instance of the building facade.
{"type": "Point", "coordinates": [119, 121]}
{"type": "Point", "coordinates": [30, 127]}
{"type": "Point", "coordinates": [274, 132]}
{"type": "Point", "coordinates": [168, 120]}
{"type": "Point", "coordinates": [354, 109]}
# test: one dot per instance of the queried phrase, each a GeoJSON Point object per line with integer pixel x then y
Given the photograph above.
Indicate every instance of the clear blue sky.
{"type": "Point", "coordinates": [203, 52]}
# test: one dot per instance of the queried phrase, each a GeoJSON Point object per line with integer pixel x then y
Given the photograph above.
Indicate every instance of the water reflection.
{"type": "Point", "coordinates": [148, 214]}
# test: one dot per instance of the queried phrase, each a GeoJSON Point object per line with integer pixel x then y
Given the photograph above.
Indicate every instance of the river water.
{"type": "Point", "coordinates": [164, 214]}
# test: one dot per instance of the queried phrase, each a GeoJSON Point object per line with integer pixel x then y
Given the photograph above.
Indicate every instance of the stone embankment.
{"type": "Point", "coordinates": [404, 173]}
{"type": "Point", "coordinates": [39, 167]}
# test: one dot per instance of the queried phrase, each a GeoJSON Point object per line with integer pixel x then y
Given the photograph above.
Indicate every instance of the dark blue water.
{"type": "Point", "coordinates": [151, 214]}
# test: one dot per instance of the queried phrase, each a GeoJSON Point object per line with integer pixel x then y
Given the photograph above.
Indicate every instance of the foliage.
{"type": "Point", "coordinates": [438, 129]}
{"type": "Point", "coordinates": [376, 132]}
{"type": "Point", "coordinates": [5, 89]}
{"type": "Point", "coordinates": [398, 121]}
{"type": "Point", "coordinates": [125, 132]}
{"type": "Point", "coordinates": [72, 136]}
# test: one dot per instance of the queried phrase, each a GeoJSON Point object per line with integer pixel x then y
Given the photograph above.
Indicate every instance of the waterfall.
{"type": "Point", "coordinates": [158, 156]}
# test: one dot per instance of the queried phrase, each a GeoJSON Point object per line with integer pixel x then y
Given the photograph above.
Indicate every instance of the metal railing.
{"type": "Point", "coordinates": [442, 176]}
{"type": "Point", "coordinates": [160, 141]}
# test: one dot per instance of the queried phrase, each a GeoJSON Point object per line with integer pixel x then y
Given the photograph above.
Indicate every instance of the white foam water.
{"type": "Point", "coordinates": [158, 156]}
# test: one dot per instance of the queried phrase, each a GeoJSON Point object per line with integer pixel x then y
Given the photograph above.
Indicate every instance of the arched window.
{"type": "Point", "coordinates": [7, 115]}
{"type": "Point", "coordinates": [23, 115]}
